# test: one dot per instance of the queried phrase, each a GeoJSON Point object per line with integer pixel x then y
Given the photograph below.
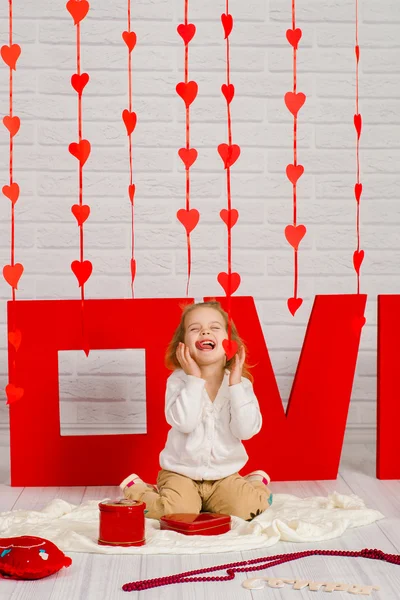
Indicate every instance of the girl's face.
{"type": "Point", "coordinates": [205, 331]}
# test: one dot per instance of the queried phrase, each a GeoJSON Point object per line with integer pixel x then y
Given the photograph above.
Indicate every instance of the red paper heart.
{"type": "Point", "coordinates": [224, 214]}
{"type": "Point", "coordinates": [130, 39]}
{"type": "Point", "coordinates": [14, 337]}
{"type": "Point", "coordinates": [358, 257]}
{"type": "Point", "coordinates": [294, 172]}
{"type": "Point", "coordinates": [358, 124]}
{"type": "Point", "coordinates": [188, 156]}
{"type": "Point", "coordinates": [187, 91]}
{"type": "Point", "coordinates": [228, 91]}
{"type": "Point", "coordinates": [294, 234]}
{"type": "Point", "coordinates": [12, 274]}
{"type": "Point", "coordinates": [188, 218]}
{"type": "Point", "coordinates": [78, 9]}
{"type": "Point", "coordinates": [133, 268]}
{"type": "Point", "coordinates": [80, 212]}
{"type": "Point", "coordinates": [12, 124]}
{"type": "Point", "coordinates": [230, 347]}
{"type": "Point", "coordinates": [294, 304]}
{"type": "Point", "coordinates": [224, 279]}
{"type": "Point", "coordinates": [11, 192]}
{"type": "Point", "coordinates": [294, 102]}
{"type": "Point", "coordinates": [14, 393]}
{"type": "Point", "coordinates": [80, 150]}
{"type": "Point", "coordinates": [357, 49]}
{"type": "Point", "coordinates": [227, 24]}
{"type": "Point", "coordinates": [293, 37]}
{"type": "Point", "coordinates": [82, 270]}
{"type": "Point", "coordinates": [79, 82]}
{"type": "Point", "coordinates": [229, 154]}
{"type": "Point", "coordinates": [358, 191]}
{"type": "Point", "coordinates": [186, 31]}
{"type": "Point", "coordinates": [10, 55]}
{"type": "Point", "coordinates": [131, 192]}
{"type": "Point", "coordinates": [130, 119]}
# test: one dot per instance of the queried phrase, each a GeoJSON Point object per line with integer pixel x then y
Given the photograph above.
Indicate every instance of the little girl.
{"type": "Point", "coordinates": [211, 406]}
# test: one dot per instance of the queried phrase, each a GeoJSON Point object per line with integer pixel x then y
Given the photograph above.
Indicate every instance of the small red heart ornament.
{"type": "Point", "coordinates": [294, 101]}
{"type": "Point", "coordinates": [294, 172]}
{"type": "Point", "coordinates": [358, 191]}
{"type": "Point", "coordinates": [229, 154]}
{"type": "Point", "coordinates": [358, 124]}
{"type": "Point", "coordinates": [80, 150]}
{"type": "Point", "coordinates": [14, 337]}
{"type": "Point", "coordinates": [11, 192]}
{"type": "Point", "coordinates": [188, 218]}
{"type": "Point", "coordinates": [10, 55]}
{"type": "Point", "coordinates": [188, 156]}
{"type": "Point", "coordinates": [13, 393]}
{"type": "Point", "coordinates": [78, 9]}
{"type": "Point", "coordinates": [224, 280]}
{"type": "Point", "coordinates": [80, 212]}
{"type": "Point", "coordinates": [294, 304]}
{"type": "Point", "coordinates": [82, 270]}
{"type": "Point", "coordinates": [133, 269]}
{"type": "Point", "coordinates": [233, 214]}
{"type": "Point", "coordinates": [230, 347]}
{"type": "Point", "coordinates": [186, 31]}
{"type": "Point", "coordinates": [130, 119]}
{"type": "Point", "coordinates": [358, 257]}
{"type": "Point", "coordinates": [79, 82]}
{"type": "Point", "coordinates": [357, 51]}
{"type": "Point", "coordinates": [12, 124]}
{"type": "Point", "coordinates": [130, 39]}
{"type": "Point", "coordinates": [12, 274]}
{"type": "Point", "coordinates": [293, 36]}
{"type": "Point", "coordinates": [187, 91]}
{"type": "Point", "coordinates": [294, 234]}
{"type": "Point", "coordinates": [228, 91]}
{"type": "Point", "coordinates": [227, 23]}
{"type": "Point", "coordinates": [131, 192]}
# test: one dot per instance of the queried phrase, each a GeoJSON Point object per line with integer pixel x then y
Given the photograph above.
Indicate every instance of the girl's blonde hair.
{"type": "Point", "coordinates": [171, 360]}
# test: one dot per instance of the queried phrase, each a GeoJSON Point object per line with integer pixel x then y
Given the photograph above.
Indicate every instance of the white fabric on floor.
{"type": "Point", "coordinates": [292, 519]}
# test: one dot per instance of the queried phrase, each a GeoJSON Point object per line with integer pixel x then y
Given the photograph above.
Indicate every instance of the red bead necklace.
{"type": "Point", "coordinates": [244, 566]}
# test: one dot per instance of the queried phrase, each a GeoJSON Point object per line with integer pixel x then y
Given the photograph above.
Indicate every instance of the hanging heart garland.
{"type": "Point", "coordinates": [358, 255]}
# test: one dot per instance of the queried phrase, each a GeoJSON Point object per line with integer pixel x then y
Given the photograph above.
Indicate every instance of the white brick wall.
{"type": "Point", "coordinates": [46, 232]}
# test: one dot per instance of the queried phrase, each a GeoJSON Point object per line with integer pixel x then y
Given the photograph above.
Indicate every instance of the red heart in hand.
{"type": "Point", "coordinates": [187, 91]}
{"type": "Point", "coordinates": [294, 102]}
{"type": "Point", "coordinates": [188, 156]}
{"type": "Point", "coordinates": [228, 91]}
{"type": "Point", "coordinates": [14, 393]}
{"type": "Point", "coordinates": [229, 154]}
{"type": "Point", "coordinates": [294, 172]}
{"type": "Point", "coordinates": [358, 191]}
{"type": "Point", "coordinates": [133, 268]}
{"type": "Point", "coordinates": [81, 150]}
{"type": "Point", "coordinates": [186, 31]}
{"type": "Point", "coordinates": [11, 192]}
{"type": "Point", "coordinates": [131, 192]}
{"type": "Point", "coordinates": [14, 337]}
{"type": "Point", "coordinates": [233, 214]}
{"type": "Point", "coordinates": [82, 270]}
{"type": "Point", "coordinates": [129, 120]}
{"type": "Point", "coordinates": [12, 274]}
{"type": "Point", "coordinates": [358, 257]}
{"type": "Point", "coordinates": [294, 36]}
{"type": "Point", "coordinates": [130, 39]}
{"type": "Point", "coordinates": [79, 82]}
{"type": "Point", "coordinates": [227, 24]}
{"type": "Point", "coordinates": [357, 49]}
{"type": "Point", "coordinates": [10, 55]}
{"type": "Point", "coordinates": [12, 124]}
{"type": "Point", "coordinates": [231, 281]}
{"type": "Point", "coordinates": [294, 304]}
{"type": "Point", "coordinates": [357, 124]}
{"type": "Point", "coordinates": [80, 212]}
{"type": "Point", "coordinates": [294, 234]}
{"type": "Point", "coordinates": [230, 347]}
{"type": "Point", "coordinates": [188, 218]}
{"type": "Point", "coordinates": [78, 9]}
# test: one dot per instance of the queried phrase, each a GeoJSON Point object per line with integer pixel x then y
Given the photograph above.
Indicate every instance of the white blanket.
{"type": "Point", "coordinates": [75, 528]}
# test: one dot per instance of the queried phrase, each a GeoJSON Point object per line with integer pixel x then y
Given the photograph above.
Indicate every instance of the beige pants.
{"type": "Point", "coordinates": [231, 495]}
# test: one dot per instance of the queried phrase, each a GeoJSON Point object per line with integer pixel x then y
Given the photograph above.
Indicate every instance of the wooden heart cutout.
{"type": "Point", "coordinates": [230, 347]}
{"type": "Point", "coordinates": [294, 304]}
{"type": "Point", "coordinates": [233, 214]}
{"type": "Point", "coordinates": [12, 274]}
{"type": "Point", "coordinates": [293, 36]}
{"type": "Point", "coordinates": [13, 393]}
{"type": "Point", "coordinates": [12, 124]}
{"type": "Point", "coordinates": [82, 270]}
{"type": "Point", "coordinates": [228, 91]}
{"type": "Point", "coordinates": [188, 156]}
{"type": "Point", "coordinates": [229, 154]}
{"type": "Point", "coordinates": [10, 55]}
{"type": "Point", "coordinates": [188, 218]}
{"type": "Point", "coordinates": [130, 39]}
{"type": "Point", "coordinates": [11, 192]}
{"type": "Point", "coordinates": [227, 24]}
{"type": "Point", "coordinates": [294, 102]}
{"type": "Point", "coordinates": [80, 150]}
{"type": "Point", "coordinates": [129, 119]}
{"type": "Point", "coordinates": [294, 172]}
{"type": "Point", "coordinates": [78, 9]}
{"type": "Point", "coordinates": [186, 31]}
{"type": "Point", "coordinates": [187, 91]}
{"type": "Point", "coordinates": [224, 280]}
{"type": "Point", "coordinates": [294, 234]}
{"type": "Point", "coordinates": [79, 82]}
{"type": "Point", "coordinates": [80, 212]}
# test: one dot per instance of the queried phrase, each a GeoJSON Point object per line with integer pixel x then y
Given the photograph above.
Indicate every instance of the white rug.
{"type": "Point", "coordinates": [292, 519]}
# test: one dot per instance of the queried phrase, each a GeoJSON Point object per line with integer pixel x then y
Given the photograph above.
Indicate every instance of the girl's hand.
{"type": "Point", "coordinates": [237, 367]}
{"type": "Point", "coordinates": [187, 363]}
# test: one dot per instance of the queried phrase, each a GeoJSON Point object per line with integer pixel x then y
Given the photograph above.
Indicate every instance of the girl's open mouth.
{"type": "Point", "coordinates": [205, 345]}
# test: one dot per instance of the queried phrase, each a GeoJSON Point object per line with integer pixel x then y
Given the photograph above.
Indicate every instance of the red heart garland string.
{"type": "Point", "coordinates": [187, 90]}
{"type": "Point", "coordinates": [358, 254]}
{"type": "Point", "coordinates": [294, 101]}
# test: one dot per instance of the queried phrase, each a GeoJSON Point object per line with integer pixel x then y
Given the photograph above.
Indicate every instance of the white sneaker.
{"type": "Point", "coordinates": [259, 476]}
{"type": "Point", "coordinates": [130, 480]}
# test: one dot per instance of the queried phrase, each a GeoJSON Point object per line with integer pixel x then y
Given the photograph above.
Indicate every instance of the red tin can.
{"type": "Point", "coordinates": [122, 523]}
{"type": "Point", "coordinates": [196, 524]}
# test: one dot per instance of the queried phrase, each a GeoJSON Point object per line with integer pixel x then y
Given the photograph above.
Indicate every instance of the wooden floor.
{"type": "Point", "coordinates": [94, 576]}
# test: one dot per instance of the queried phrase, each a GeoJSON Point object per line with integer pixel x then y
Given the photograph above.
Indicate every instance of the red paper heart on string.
{"type": "Point", "coordinates": [229, 154]}
{"type": "Point", "coordinates": [80, 212]}
{"type": "Point", "coordinates": [188, 156]}
{"type": "Point", "coordinates": [82, 270]}
{"type": "Point", "coordinates": [14, 337]}
{"type": "Point", "coordinates": [358, 191]}
{"type": "Point", "coordinates": [227, 23]}
{"type": "Point", "coordinates": [79, 82]}
{"type": "Point", "coordinates": [223, 280]}
{"type": "Point", "coordinates": [358, 323]}
{"type": "Point", "coordinates": [294, 172]}
{"type": "Point", "coordinates": [14, 393]}
{"type": "Point", "coordinates": [187, 91]}
{"type": "Point", "coordinates": [133, 268]}
{"type": "Point", "coordinates": [357, 124]}
{"type": "Point", "coordinates": [294, 234]}
{"type": "Point", "coordinates": [131, 192]}
{"type": "Point", "coordinates": [10, 55]}
{"type": "Point", "coordinates": [224, 214]}
{"type": "Point", "coordinates": [357, 50]}
{"type": "Point", "coordinates": [12, 124]}
{"type": "Point", "coordinates": [358, 257]}
{"type": "Point", "coordinates": [186, 31]}
{"type": "Point", "coordinates": [12, 274]}
{"type": "Point", "coordinates": [80, 150]}
{"type": "Point", "coordinates": [11, 192]}
{"type": "Point", "coordinates": [293, 36]}
{"type": "Point", "coordinates": [130, 39]}
{"type": "Point", "coordinates": [228, 91]}
{"type": "Point", "coordinates": [294, 304]}
{"type": "Point", "coordinates": [188, 218]}
{"type": "Point", "coordinates": [294, 102]}
{"type": "Point", "coordinates": [230, 347]}
{"type": "Point", "coordinates": [78, 9]}
{"type": "Point", "coordinates": [130, 119]}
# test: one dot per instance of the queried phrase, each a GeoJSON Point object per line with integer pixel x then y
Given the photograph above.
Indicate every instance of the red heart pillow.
{"type": "Point", "coordinates": [29, 557]}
